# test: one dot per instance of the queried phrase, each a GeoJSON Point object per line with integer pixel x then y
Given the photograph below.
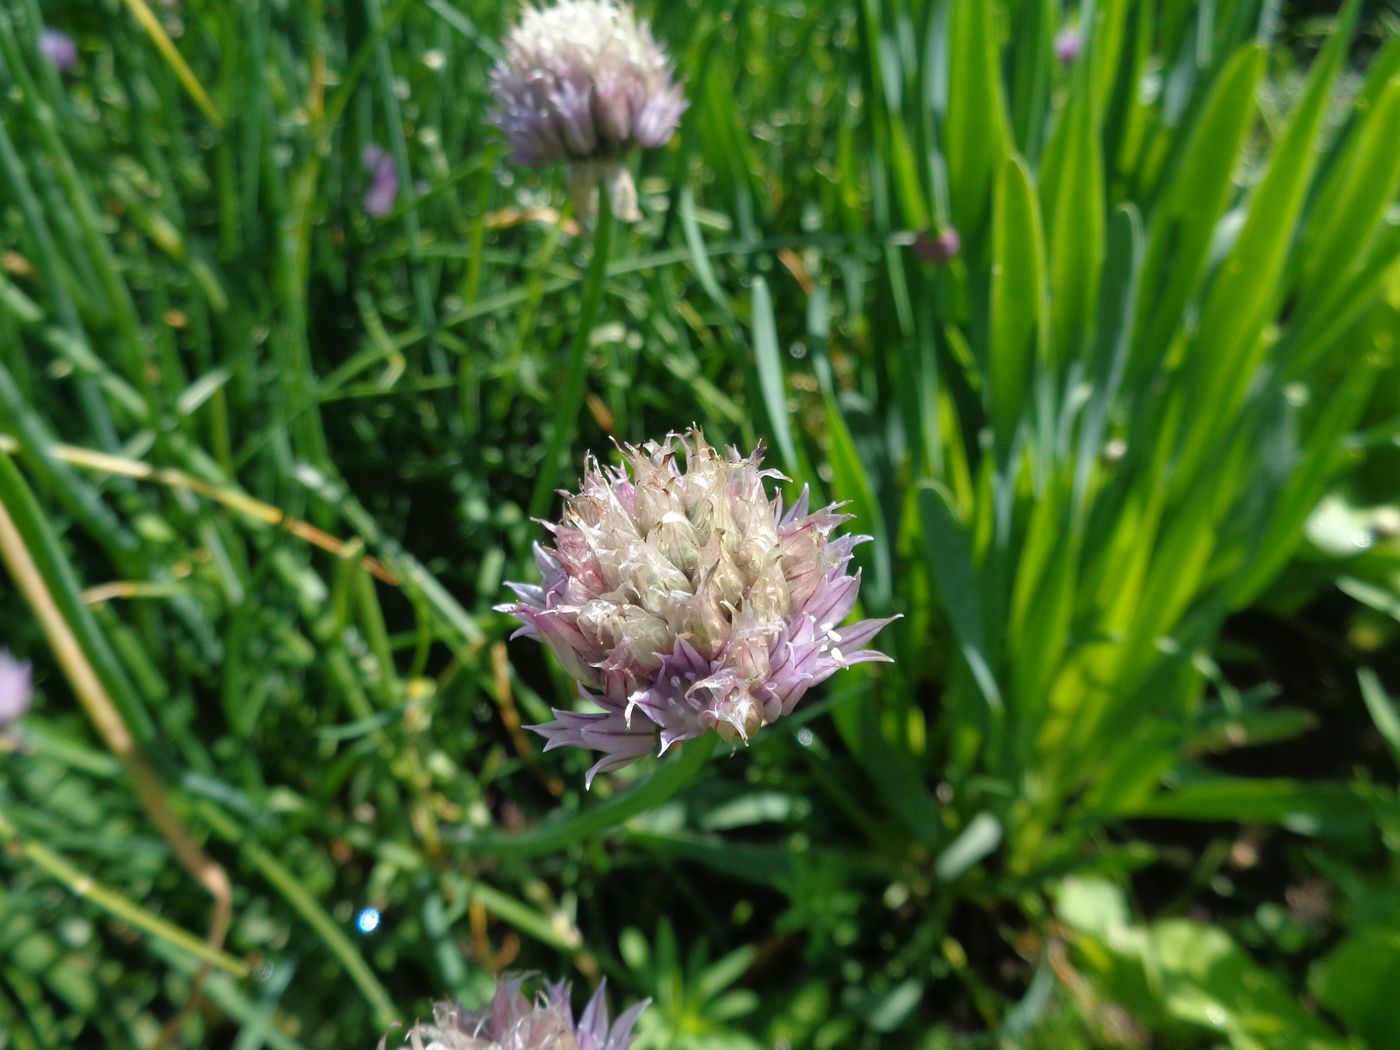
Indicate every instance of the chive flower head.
{"type": "Point", "coordinates": [584, 82]}
{"type": "Point", "coordinates": [686, 600]}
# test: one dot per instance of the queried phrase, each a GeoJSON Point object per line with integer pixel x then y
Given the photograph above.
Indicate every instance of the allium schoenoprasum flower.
{"type": "Point", "coordinates": [58, 47]}
{"type": "Point", "coordinates": [938, 249]}
{"type": "Point", "coordinates": [1067, 45]}
{"type": "Point", "coordinates": [383, 181]}
{"type": "Point", "coordinates": [15, 689]}
{"type": "Point", "coordinates": [513, 1022]}
{"type": "Point", "coordinates": [584, 82]}
{"type": "Point", "coordinates": [685, 600]}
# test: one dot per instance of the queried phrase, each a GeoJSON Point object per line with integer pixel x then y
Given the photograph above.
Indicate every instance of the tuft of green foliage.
{"type": "Point", "coordinates": [1129, 459]}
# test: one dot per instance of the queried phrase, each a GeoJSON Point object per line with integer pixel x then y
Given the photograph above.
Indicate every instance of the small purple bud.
{"type": "Point", "coordinates": [938, 250]}
{"type": "Point", "coordinates": [1067, 44]}
{"type": "Point", "coordinates": [383, 181]}
{"type": "Point", "coordinates": [15, 689]}
{"type": "Point", "coordinates": [58, 47]}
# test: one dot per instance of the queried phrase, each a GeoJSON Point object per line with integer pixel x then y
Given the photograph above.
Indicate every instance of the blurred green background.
{"type": "Point", "coordinates": [1130, 457]}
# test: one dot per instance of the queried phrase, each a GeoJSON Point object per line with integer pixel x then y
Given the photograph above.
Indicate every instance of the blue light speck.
{"type": "Point", "coordinates": [367, 921]}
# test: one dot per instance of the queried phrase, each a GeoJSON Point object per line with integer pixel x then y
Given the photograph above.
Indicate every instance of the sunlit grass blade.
{"type": "Point", "coordinates": [1180, 228]}
{"type": "Point", "coordinates": [977, 136]}
{"type": "Point", "coordinates": [1246, 290]}
{"type": "Point", "coordinates": [153, 28]}
{"type": "Point", "coordinates": [769, 364]}
{"type": "Point", "coordinates": [1019, 311]}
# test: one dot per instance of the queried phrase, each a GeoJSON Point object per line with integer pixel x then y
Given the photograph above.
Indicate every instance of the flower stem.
{"type": "Point", "coordinates": [559, 832]}
{"type": "Point", "coordinates": [571, 397]}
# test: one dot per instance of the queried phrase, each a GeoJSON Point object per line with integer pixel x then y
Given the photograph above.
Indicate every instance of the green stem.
{"type": "Point", "coordinates": [83, 885]}
{"type": "Point", "coordinates": [571, 398]}
{"type": "Point", "coordinates": [312, 913]}
{"type": "Point", "coordinates": [559, 832]}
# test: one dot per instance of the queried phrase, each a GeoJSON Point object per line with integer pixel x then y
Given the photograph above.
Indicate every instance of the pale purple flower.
{"type": "Point", "coordinates": [15, 689]}
{"type": "Point", "coordinates": [512, 1022]}
{"type": "Point", "coordinates": [585, 82]}
{"type": "Point", "coordinates": [938, 249]}
{"type": "Point", "coordinates": [684, 599]}
{"type": "Point", "coordinates": [383, 181]}
{"type": "Point", "coordinates": [1067, 45]}
{"type": "Point", "coordinates": [58, 48]}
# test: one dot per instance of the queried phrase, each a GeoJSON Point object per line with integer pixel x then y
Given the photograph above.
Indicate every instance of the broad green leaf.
{"type": "Point", "coordinates": [1180, 227]}
{"type": "Point", "coordinates": [1271, 547]}
{"type": "Point", "coordinates": [1072, 201]}
{"type": "Point", "coordinates": [1030, 68]}
{"type": "Point", "coordinates": [1322, 810]}
{"type": "Point", "coordinates": [948, 551]}
{"type": "Point", "coordinates": [562, 829]}
{"type": "Point", "coordinates": [1188, 982]}
{"type": "Point", "coordinates": [1043, 599]}
{"type": "Point", "coordinates": [1129, 113]}
{"type": "Point", "coordinates": [974, 842]}
{"type": "Point", "coordinates": [1209, 981]}
{"type": "Point", "coordinates": [1382, 707]}
{"type": "Point", "coordinates": [1357, 982]}
{"type": "Point", "coordinates": [1105, 48]}
{"type": "Point", "coordinates": [851, 481]}
{"type": "Point", "coordinates": [977, 136]}
{"type": "Point", "coordinates": [1179, 560]}
{"type": "Point", "coordinates": [1246, 290]}
{"type": "Point", "coordinates": [1117, 307]}
{"type": "Point", "coordinates": [1092, 905]}
{"type": "Point", "coordinates": [1335, 316]}
{"type": "Point", "coordinates": [890, 766]}
{"type": "Point", "coordinates": [886, 1011]}
{"type": "Point", "coordinates": [1134, 767]}
{"type": "Point", "coordinates": [769, 360]}
{"type": "Point", "coordinates": [1353, 202]}
{"type": "Point", "coordinates": [1017, 298]}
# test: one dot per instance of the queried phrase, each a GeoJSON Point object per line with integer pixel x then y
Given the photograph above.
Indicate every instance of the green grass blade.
{"type": "Point", "coordinates": [1180, 228]}
{"type": "Point", "coordinates": [977, 135]}
{"type": "Point", "coordinates": [769, 362]}
{"type": "Point", "coordinates": [1018, 298]}
{"type": "Point", "coordinates": [1246, 291]}
{"type": "Point", "coordinates": [948, 553]}
{"type": "Point", "coordinates": [564, 830]}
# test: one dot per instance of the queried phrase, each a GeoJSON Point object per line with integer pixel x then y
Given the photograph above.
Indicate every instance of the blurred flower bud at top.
{"type": "Point", "coordinates": [512, 1022]}
{"type": "Point", "coordinates": [15, 689]}
{"type": "Point", "coordinates": [58, 47]}
{"type": "Point", "coordinates": [938, 249]}
{"type": "Point", "coordinates": [1067, 45]}
{"type": "Point", "coordinates": [686, 600]}
{"type": "Point", "coordinates": [584, 82]}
